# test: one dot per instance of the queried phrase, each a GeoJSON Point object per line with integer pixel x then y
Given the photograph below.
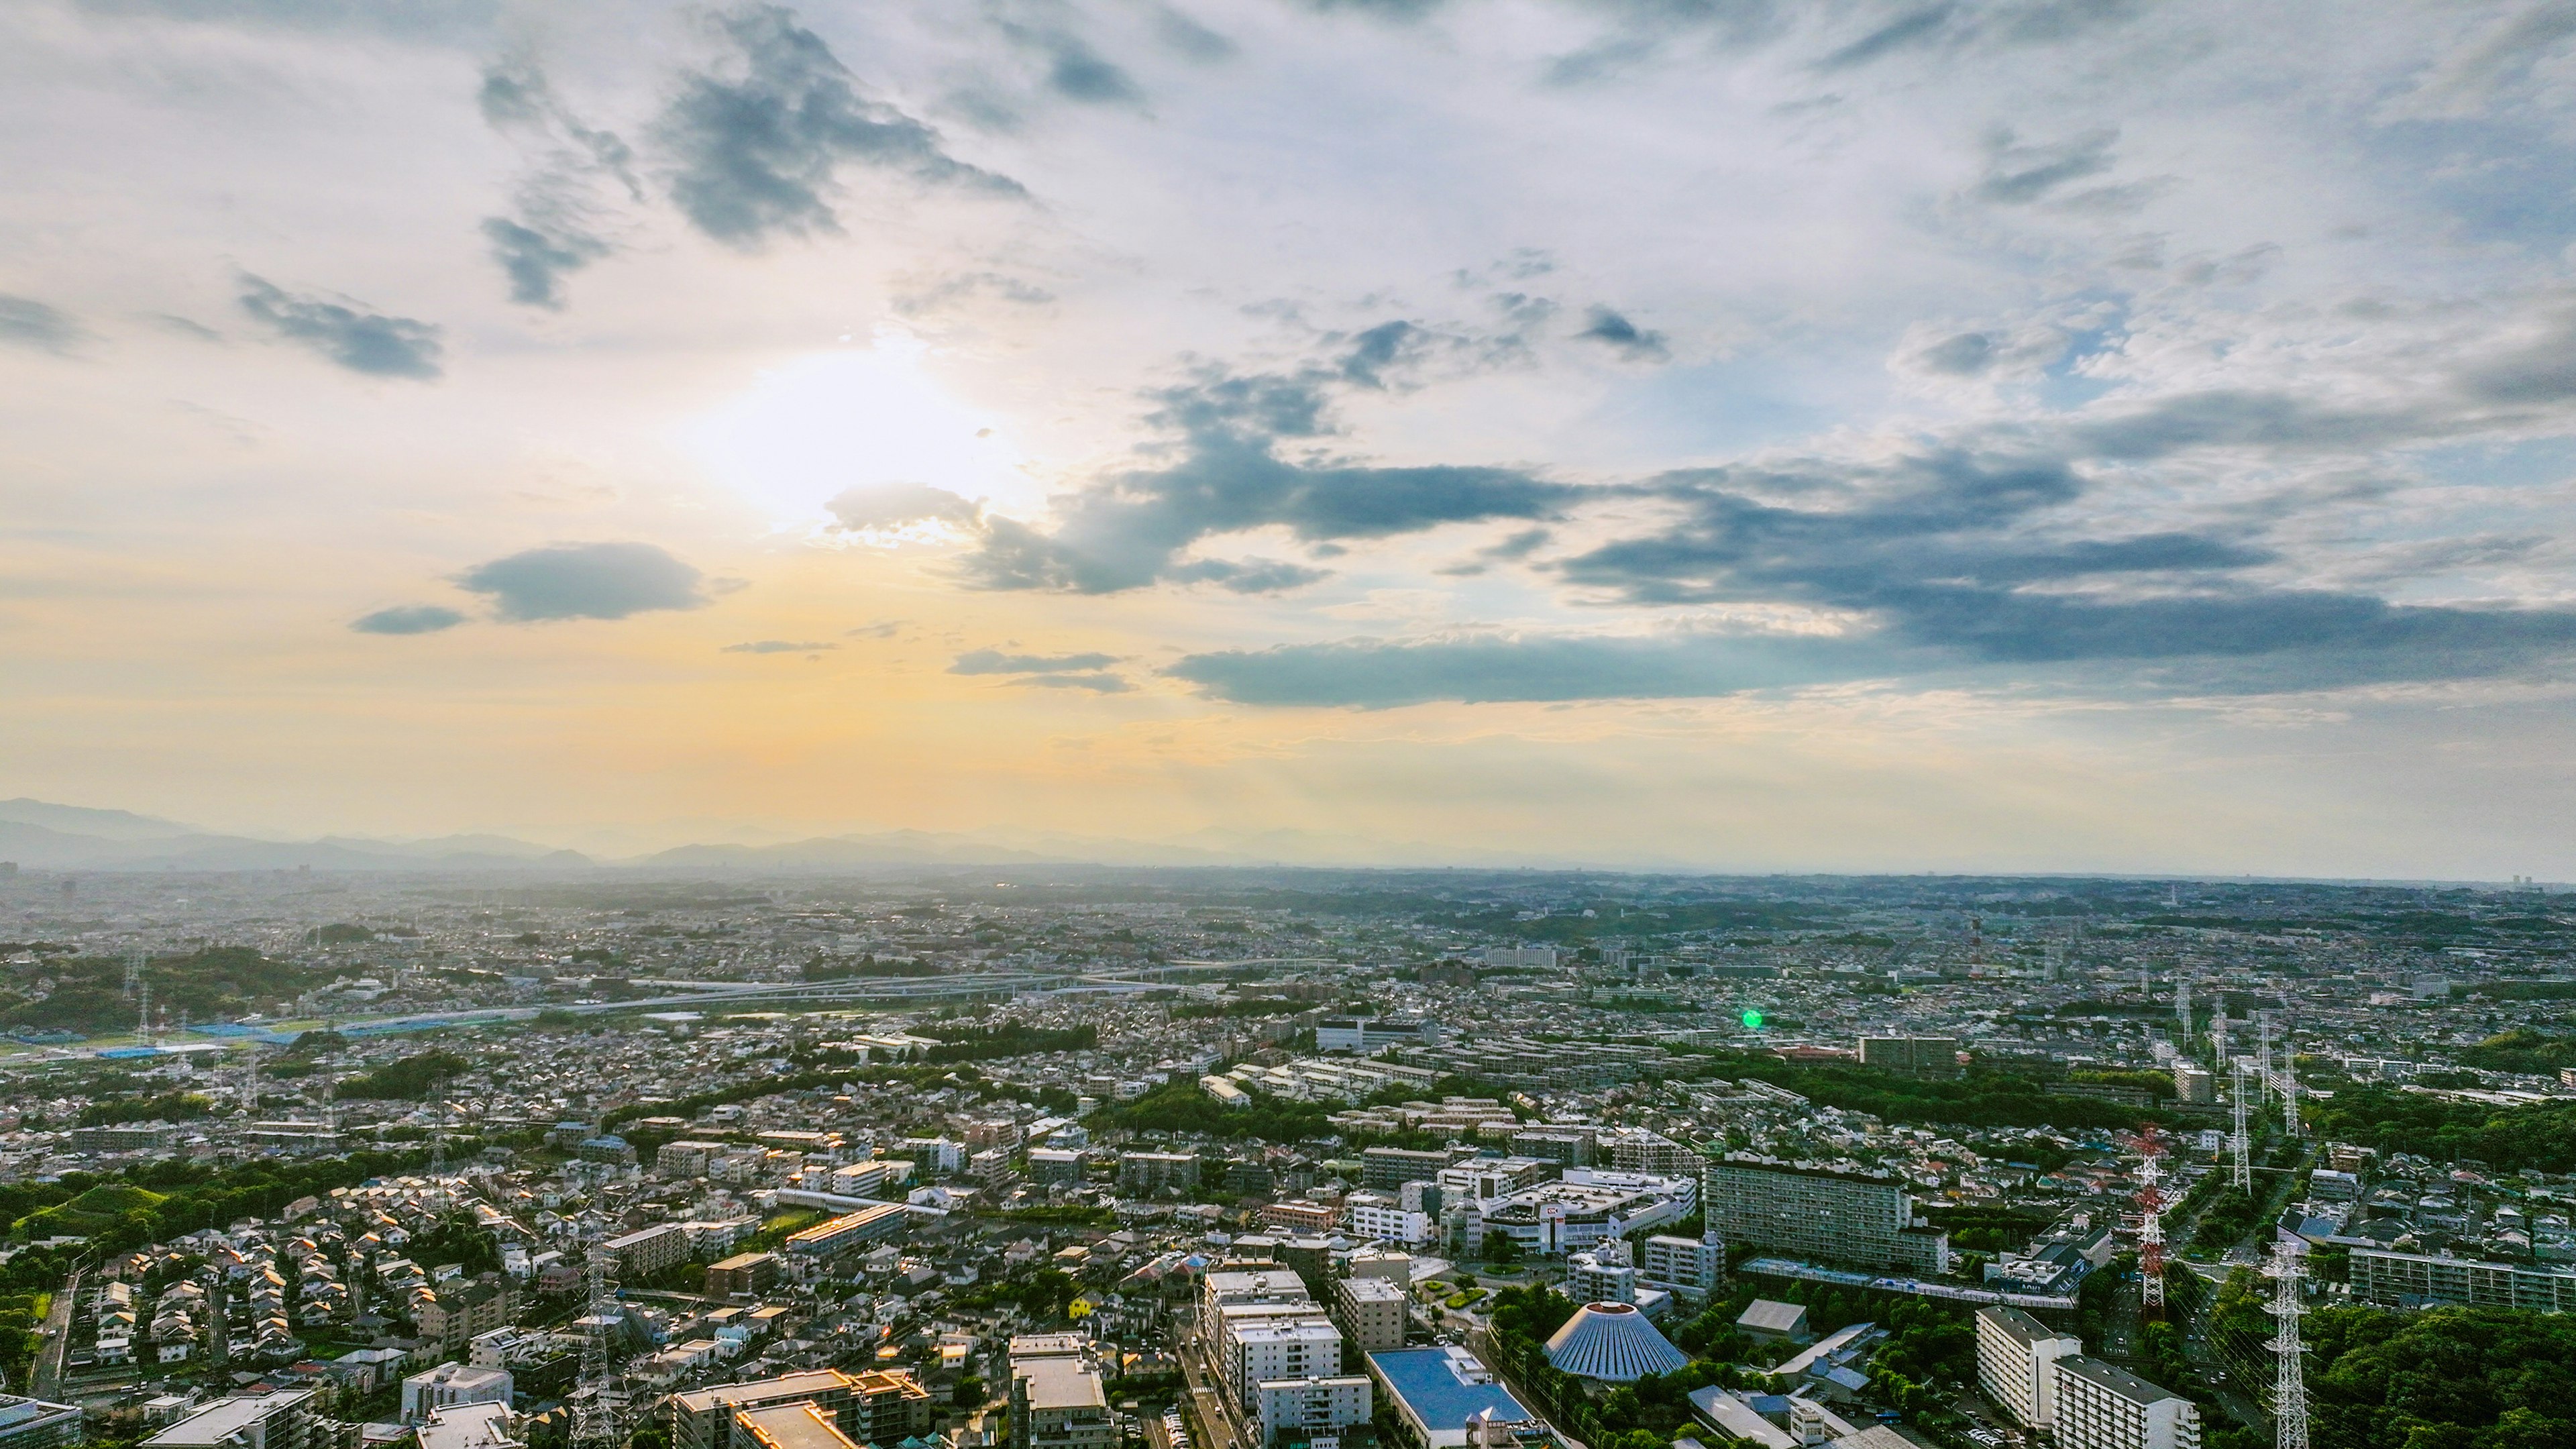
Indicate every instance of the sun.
{"type": "Point", "coordinates": [861, 417]}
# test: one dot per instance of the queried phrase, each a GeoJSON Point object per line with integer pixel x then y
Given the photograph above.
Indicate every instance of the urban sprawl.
{"type": "Point", "coordinates": [1066, 1158]}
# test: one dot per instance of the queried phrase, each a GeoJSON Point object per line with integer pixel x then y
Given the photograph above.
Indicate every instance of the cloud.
{"type": "Point", "coordinates": [1625, 337]}
{"type": "Point", "coordinates": [26, 322]}
{"type": "Point", "coordinates": [536, 263]}
{"type": "Point", "coordinates": [1075, 71]}
{"type": "Point", "coordinates": [1505, 668]}
{"type": "Point", "coordinates": [1189, 39]}
{"type": "Point", "coordinates": [1227, 474]}
{"type": "Point", "coordinates": [408, 619]}
{"type": "Point", "coordinates": [755, 145]}
{"type": "Point", "coordinates": [2017, 175]}
{"type": "Point", "coordinates": [1913, 30]}
{"type": "Point", "coordinates": [584, 581]}
{"type": "Point", "coordinates": [361, 341]}
{"type": "Point", "coordinates": [937, 296]}
{"type": "Point", "coordinates": [896, 504]}
{"type": "Point", "coordinates": [1964, 355]}
{"type": "Point", "coordinates": [1096, 683]}
{"type": "Point", "coordinates": [993, 661]}
{"type": "Point", "coordinates": [775, 646]}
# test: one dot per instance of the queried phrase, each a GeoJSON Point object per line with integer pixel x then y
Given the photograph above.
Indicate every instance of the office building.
{"type": "Point", "coordinates": [1437, 1393]}
{"type": "Point", "coordinates": [1057, 1398]}
{"type": "Point", "coordinates": [1694, 1268]}
{"type": "Point", "coordinates": [2101, 1407]}
{"type": "Point", "coordinates": [1912, 1056]}
{"type": "Point", "coordinates": [1372, 1313]}
{"type": "Point", "coordinates": [2017, 1359]}
{"type": "Point", "coordinates": [36, 1424]}
{"type": "Point", "coordinates": [1151, 1172]}
{"type": "Point", "coordinates": [1584, 1207]}
{"type": "Point", "coordinates": [451, 1384]}
{"type": "Point", "coordinates": [1860, 1220]}
{"type": "Point", "coordinates": [848, 1231]}
{"type": "Point", "coordinates": [279, 1419]}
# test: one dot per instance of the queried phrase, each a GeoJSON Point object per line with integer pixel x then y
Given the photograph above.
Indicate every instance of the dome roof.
{"type": "Point", "coordinates": [1612, 1342]}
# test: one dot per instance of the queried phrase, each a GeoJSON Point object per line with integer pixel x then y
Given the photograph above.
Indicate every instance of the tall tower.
{"type": "Point", "coordinates": [134, 960]}
{"type": "Point", "coordinates": [2182, 1012]}
{"type": "Point", "coordinates": [2218, 1031]}
{"type": "Point", "coordinates": [2151, 1224]}
{"type": "Point", "coordinates": [438, 1136]}
{"type": "Point", "coordinates": [2240, 1146]}
{"type": "Point", "coordinates": [2288, 1085]}
{"type": "Point", "coordinates": [2289, 1379]}
{"type": "Point", "coordinates": [594, 1423]}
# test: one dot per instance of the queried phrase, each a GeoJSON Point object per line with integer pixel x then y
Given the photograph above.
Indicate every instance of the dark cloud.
{"type": "Point", "coordinates": [2541, 373]}
{"type": "Point", "coordinates": [1249, 576]}
{"type": "Point", "coordinates": [1965, 355]}
{"type": "Point", "coordinates": [994, 661]}
{"type": "Point", "coordinates": [1191, 40]}
{"type": "Point", "coordinates": [775, 646]}
{"type": "Point", "coordinates": [1383, 9]}
{"type": "Point", "coordinates": [896, 504]}
{"type": "Point", "coordinates": [938, 296]}
{"type": "Point", "coordinates": [584, 581]}
{"type": "Point", "coordinates": [2046, 22]}
{"type": "Point", "coordinates": [1379, 348]}
{"type": "Point", "coordinates": [361, 341]}
{"type": "Point", "coordinates": [536, 263]}
{"type": "Point", "coordinates": [756, 144]}
{"type": "Point", "coordinates": [26, 322]}
{"type": "Point", "coordinates": [1077, 72]}
{"type": "Point", "coordinates": [514, 93]}
{"type": "Point", "coordinates": [1609, 328]}
{"type": "Point", "coordinates": [1913, 30]}
{"type": "Point", "coordinates": [2017, 175]}
{"type": "Point", "coordinates": [1491, 669]}
{"type": "Point", "coordinates": [1226, 474]}
{"type": "Point", "coordinates": [408, 619]}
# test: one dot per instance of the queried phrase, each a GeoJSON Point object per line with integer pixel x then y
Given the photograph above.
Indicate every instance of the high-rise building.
{"type": "Point", "coordinates": [2102, 1407]}
{"type": "Point", "coordinates": [1695, 1268]}
{"type": "Point", "coordinates": [1151, 1172]}
{"type": "Point", "coordinates": [1865, 1220]}
{"type": "Point", "coordinates": [1308, 1410]}
{"type": "Point", "coordinates": [1372, 1313]}
{"type": "Point", "coordinates": [1912, 1056]}
{"type": "Point", "coordinates": [1390, 1168]}
{"type": "Point", "coordinates": [2017, 1358]}
{"type": "Point", "coordinates": [2194, 1085]}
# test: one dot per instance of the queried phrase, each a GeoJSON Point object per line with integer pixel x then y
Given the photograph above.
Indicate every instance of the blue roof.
{"type": "Point", "coordinates": [1425, 1379]}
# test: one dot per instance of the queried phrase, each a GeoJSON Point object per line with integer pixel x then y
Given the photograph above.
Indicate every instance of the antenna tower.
{"type": "Point", "coordinates": [2151, 1224]}
{"type": "Point", "coordinates": [2289, 1380]}
{"type": "Point", "coordinates": [2182, 1011]}
{"type": "Point", "coordinates": [2240, 1147]}
{"type": "Point", "coordinates": [594, 1424]}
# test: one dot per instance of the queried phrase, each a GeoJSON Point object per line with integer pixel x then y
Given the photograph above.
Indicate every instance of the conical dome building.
{"type": "Point", "coordinates": [1614, 1343]}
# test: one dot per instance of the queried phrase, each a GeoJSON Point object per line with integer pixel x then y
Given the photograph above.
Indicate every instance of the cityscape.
{"type": "Point", "coordinates": [1280, 1159]}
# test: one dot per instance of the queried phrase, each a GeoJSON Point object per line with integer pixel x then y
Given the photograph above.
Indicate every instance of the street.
{"type": "Point", "coordinates": [48, 1376]}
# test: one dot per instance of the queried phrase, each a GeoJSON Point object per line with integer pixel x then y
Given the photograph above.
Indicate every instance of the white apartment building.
{"type": "Point", "coordinates": [1313, 1409]}
{"type": "Point", "coordinates": [1381, 1217]}
{"type": "Point", "coordinates": [2017, 1359]}
{"type": "Point", "coordinates": [1254, 1354]}
{"type": "Point", "coordinates": [2101, 1407]}
{"type": "Point", "coordinates": [1694, 1268]}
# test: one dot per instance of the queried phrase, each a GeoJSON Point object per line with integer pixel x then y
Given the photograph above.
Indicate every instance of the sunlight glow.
{"type": "Point", "coordinates": [871, 417]}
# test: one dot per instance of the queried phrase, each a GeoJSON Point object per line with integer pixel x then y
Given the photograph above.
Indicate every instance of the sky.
{"type": "Point", "coordinates": [2055, 435]}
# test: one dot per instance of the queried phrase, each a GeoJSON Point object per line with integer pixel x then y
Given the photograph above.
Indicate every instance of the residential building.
{"type": "Point", "coordinates": [126, 1137]}
{"type": "Point", "coordinates": [790, 1426]}
{"type": "Point", "coordinates": [1057, 1398]}
{"type": "Point", "coordinates": [2102, 1407]}
{"type": "Point", "coordinates": [1302, 1347]}
{"type": "Point", "coordinates": [850, 1230]}
{"type": "Point", "coordinates": [1912, 1056]}
{"type": "Point", "coordinates": [648, 1251]}
{"type": "Point", "coordinates": [705, 1418]}
{"type": "Point", "coordinates": [278, 1419]}
{"type": "Point", "coordinates": [1055, 1167]}
{"type": "Point", "coordinates": [1694, 1268]}
{"type": "Point", "coordinates": [1389, 1168]}
{"type": "Point", "coordinates": [686, 1159]}
{"type": "Point", "coordinates": [1372, 1312]}
{"type": "Point", "coordinates": [741, 1275]}
{"type": "Point", "coordinates": [2017, 1358]}
{"type": "Point", "coordinates": [2410, 1280]}
{"type": "Point", "coordinates": [1863, 1220]}
{"type": "Point", "coordinates": [1310, 1411]}
{"type": "Point", "coordinates": [1641, 1151]}
{"type": "Point", "coordinates": [1364, 1035]}
{"type": "Point", "coordinates": [1151, 1172]}
{"type": "Point", "coordinates": [457, 1311]}
{"type": "Point", "coordinates": [1382, 1217]}
{"type": "Point", "coordinates": [1437, 1393]}
{"type": "Point", "coordinates": [451, 1384]}
{"type": "Point", "coordinates": [36, 1424]}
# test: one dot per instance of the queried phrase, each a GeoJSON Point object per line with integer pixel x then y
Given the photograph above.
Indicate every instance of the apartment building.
{"type": "Point", "coordinates": [1383, 1217]}
{"type": "Point", "coordinates": [647, 1251]}
{"type": "Point", "coordinates": [1152, 1172]}
{"type": "Point", "coordinates": [279, 1419]}
{"type": "Point", "coordinates": [1387, 1169]}
{"type": "Point", "coordinates": [2101, 1407]}
{"type": "Point", "coordinates": [1311, 1411]}
{"type": "Point", "coordinates": [449, 1385]}
{"type": "Point", "coordinates": [1693, 1268]}
{"type": "Point", "coordinates": [1863, 1220]}
{"type": "Point", "coordinates": [36, 1424]}
{"type": "Point", "coordinates": [1057, 1398]}
{"type": "Point", "coordinates": [1912, 1056]}
{"type": "Point", "coordinates": [1372, 1312]}
{"type": "Point", "coordinates": [850, 1230]}
{"type": "Point", "coordinates": [705, 1418]}
{"type": "Point", "coordinates": [2407, 1280]}
{"type": "Point", "coordinates": [2017, 1358]}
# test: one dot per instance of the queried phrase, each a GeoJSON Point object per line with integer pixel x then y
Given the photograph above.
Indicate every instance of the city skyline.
{"type": "Point", "coordinates": [2040, 436]}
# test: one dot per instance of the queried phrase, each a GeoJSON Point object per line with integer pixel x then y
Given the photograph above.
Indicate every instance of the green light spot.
{"type": "Point", "coordinates": [1752, 1020]}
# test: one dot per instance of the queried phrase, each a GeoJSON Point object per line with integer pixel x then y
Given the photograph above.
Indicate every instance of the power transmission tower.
{"type": "Point", "coordinates": [2182, 1011]}
{"type": "Point", "coordinates": [2218, 1031]}
{"type": "Point", "coordinates": [2151, 1225]}
{"type": "Point", "coordinates": [2240, 1146]}
{"type": "Point", "coordinates": [134, 960]}
{"type": "Point", "coordinates": [2289, 1380]}
{"type": "Point", "coordinates": [594, 1423]}
{"type": "Point", "coordinates": [2288, 1085]}
{"type": "Point", "coordinates": [438, 1136]}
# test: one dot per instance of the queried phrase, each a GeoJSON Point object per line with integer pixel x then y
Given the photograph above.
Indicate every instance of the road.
{"type": "Point", "coordinates": [48, 1377]}
{"type": "Point", "coordinates": [1215, 1427]}
{"type": "Point", "coordinates": [1480, 1342]}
